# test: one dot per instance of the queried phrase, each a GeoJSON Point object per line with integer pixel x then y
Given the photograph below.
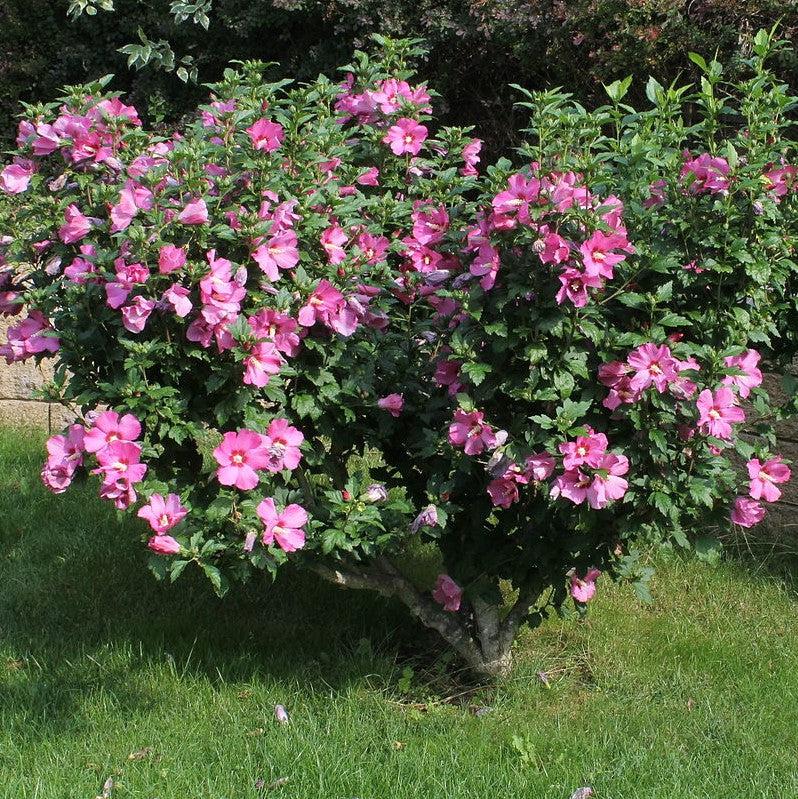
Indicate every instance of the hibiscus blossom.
{"type": "Point", "coordinates": [163, 514]}
{"type": "Point", "coordinates": [282, 442]}
{"type": "Point", "coordinates": [239, 456]}
{"type": "Point", "coordinates": [284, 527]}
{"type": "Point", "coordinates": [717, 412]}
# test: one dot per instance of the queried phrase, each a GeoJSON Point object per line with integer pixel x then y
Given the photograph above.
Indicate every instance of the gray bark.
{"type": "Point", "coordinates": [484, 642]}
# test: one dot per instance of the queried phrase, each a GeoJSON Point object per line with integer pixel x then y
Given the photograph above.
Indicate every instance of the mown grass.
{"type": "Point", "coordinates": [693, 696]}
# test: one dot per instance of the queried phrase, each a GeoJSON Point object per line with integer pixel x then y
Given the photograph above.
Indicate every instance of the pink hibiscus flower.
{"type": "Point", "coordinates": [279, 252]}
{"type": "Point", "coordinates": [195, 213]}
{"type": "Point", "coordinates": [575, 285]}
{"type": "Point", "coordinates": [163, 514]}
{"type": "Point", "coordinates": [765, 476]}
{"type": "Point", "coordinates": [239, 456]}
{"type": "Point", "coordinates": [470, 432]}
{"type": "Point", "coordinates": [76, 226]}
{"type": "Point", "coordinates": [406, 136]}
{"type": "Point", "coordinates": [261, 363]}
{"type": "Point", "coordinates": [170, 259]}
{"type": "Point", "coordinates": [717, 412]}
{"type": "Point", "coordinates": [573, 485]}
{"type": "Point", "coordinates": [587, 449]}
{"type": "Point", "coordinates": [15, 178]}
{"type": "Point", "coordinates": [751, 377]}
{"type": "Point", "coordinates": [284, 527]}
{"type": "Point", "coordinates": [653, 365]}
{"type": "Point", "coordinates": [393, 403]}
{"type": "Point", "coordinates": [108, 428]}
{"type": "Point", "coordinates": [584, 589]}
{"type": "Point", "coordinates": [608, 485]}
{"type": "Point", "coordinates": [282, 443]}
{"type": "Point", "coordinates": [266, 135]}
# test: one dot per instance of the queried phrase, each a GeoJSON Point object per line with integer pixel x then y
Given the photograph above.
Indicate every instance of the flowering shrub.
{"type": "Point", "coordinates": [306, 327]}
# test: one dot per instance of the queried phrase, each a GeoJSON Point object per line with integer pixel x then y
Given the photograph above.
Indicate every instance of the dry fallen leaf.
{"type": "Point", "coordinates": [278, 783]}
{"type": "Point", "coordinates": [108, 787]}
{"type": "Point", "coordinates": [257, 731]}
{"type": "Point", "coordinates": [141, 754]}
{"type": "Point", "coordinates": [398, 745]}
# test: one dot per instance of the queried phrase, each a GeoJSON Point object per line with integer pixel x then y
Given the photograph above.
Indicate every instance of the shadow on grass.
{"type": "Point", "coordinates": [79, 609]}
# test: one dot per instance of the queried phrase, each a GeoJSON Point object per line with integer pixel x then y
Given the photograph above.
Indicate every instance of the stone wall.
{"type": "Point", "coordinates": [17, 385]}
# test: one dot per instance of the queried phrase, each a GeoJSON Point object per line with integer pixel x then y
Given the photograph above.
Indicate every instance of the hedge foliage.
{"type": "Point", "coordinates": [477, 47]}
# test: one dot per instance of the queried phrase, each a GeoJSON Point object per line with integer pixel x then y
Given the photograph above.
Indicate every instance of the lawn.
{"type": "Point", "coordinates": [170, 691]}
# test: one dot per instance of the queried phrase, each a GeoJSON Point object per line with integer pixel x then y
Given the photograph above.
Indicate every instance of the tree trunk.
{"type": "Point", "coordinates": [484, 641]}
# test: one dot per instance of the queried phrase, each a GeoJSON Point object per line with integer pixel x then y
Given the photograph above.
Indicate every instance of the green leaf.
{"type": "Point", "coordinates": [218, 581]}
{"type": "Point", "coordinates": [708, 549]}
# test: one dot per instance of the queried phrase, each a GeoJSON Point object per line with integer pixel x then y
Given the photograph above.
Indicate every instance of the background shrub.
{"type": "Point", "coordinates": [477, 48]}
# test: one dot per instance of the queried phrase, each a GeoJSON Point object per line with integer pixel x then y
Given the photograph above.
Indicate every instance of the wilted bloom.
{"type": "Point", "coordinates": [751, 377]}
{"type": "Point", "coordinates": [376, 493]}
{"type": "Point", "coordinates": [135, 315]}
{"type": "Point", "coordinates": [406, 136]}
{"type": "Point", "coordinates": [76, 227]}
{"type": "Point", "coordinates": [393, 403]}
{"type": "Point", "coordinates": [239, 456]}
{"type": "Point", "coordinates": [285, 527]}
{"type": "Point", "coordinates": [369, 178]}
{"type": "Point", "coordinates": [717, 412]}
{"type": "Point", "coordinates": [282, 443]}
{"type": "Point", "coordinates": [266, 135]}
{"type": "Point", "coordinates": [747, 512]}
{"type": "Point", "coordinates": [15, 178]}
{"type": "Point", "coordinates": [195, 213]}
{"type": "Point", "coordinates": [280, 714]}
{"type": "Point", "coordinates": [447, 593]}
{"type": "Point", "coordinates": [503, 491]}
{"type": "Point", "coordinates": [468, 431]}
{"type": "Point", "coordinates": [764, 477]}
{"type": "Point", "coordinates": [163, 545]}
{"type": "Point", "coordinates": [108, 428]}
{"type": "Point", "coordinates": [584, 589]}
{"type": "Point", "coordinates": [540, 467]}
{"type": "Point", "coordinates": [427, 518]}
{"type": "Point", "coordinates": [163, 514]}
{"type": "Point", "coordinates": [170, 259]}
{"type": "Point", "coordinates": [177, 296]}
{"type": "Point", "coordinates": [471, 158]}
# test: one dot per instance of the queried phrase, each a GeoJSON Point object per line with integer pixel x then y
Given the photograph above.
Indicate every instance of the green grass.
{"type": "Point", "coordinates": [694, 696]}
